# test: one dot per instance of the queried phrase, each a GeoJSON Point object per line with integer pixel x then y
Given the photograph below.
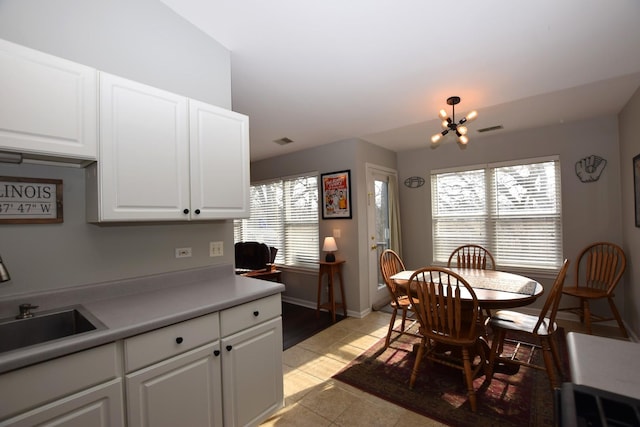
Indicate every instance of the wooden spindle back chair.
{"type": "Point", "coordinates": [541, 327]}
{"type": "Point", "coordinates": [390, 264]}
{"type": "Point", "coordinates": [447, 320]}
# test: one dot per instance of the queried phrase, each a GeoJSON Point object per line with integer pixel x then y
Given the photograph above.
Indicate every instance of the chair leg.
{"type": "Point", "coordinates": [404, 318]}
{"type": "Point", "coordinates": [614, 310]}
{"type": "Point", "coordinates": [548, 362]}
{"type": "Point", "coordinates": [416, 364]}
{"type": "Point", "coordinates": [496, 349]}
{"type": "Point", "coordinates": [391, 323]}
{"type": "Point", "coordinates": [468, 375]}
{"type": "Point", "coordinates": [556, 356]}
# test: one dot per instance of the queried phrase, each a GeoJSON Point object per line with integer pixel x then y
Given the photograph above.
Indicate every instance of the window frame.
{"type": "Point", "coordinates": [284, 224]}
{"type": "Point", "coordinates": [490, 220]}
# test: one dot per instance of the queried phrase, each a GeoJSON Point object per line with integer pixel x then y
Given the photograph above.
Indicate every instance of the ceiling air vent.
{"type": "Point", "coordinates": [283, 141]}
{"type": "Point", "coordinates": [491, 128]}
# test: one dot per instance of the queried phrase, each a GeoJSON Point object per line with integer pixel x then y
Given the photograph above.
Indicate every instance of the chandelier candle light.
{"type": "Point", "coordinates": [449, 123]}
{"type": "Point", "coordinates": [330, 247]}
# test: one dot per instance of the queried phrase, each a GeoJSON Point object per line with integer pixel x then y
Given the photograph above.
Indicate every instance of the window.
{"type": "Point", "coordinates": [512, 209]}
{"type": "Point", "coordinates": [284, 214]}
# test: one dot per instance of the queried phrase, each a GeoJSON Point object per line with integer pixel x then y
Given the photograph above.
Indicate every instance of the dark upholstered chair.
{"type": "Point", "coordinates": [252, 256]}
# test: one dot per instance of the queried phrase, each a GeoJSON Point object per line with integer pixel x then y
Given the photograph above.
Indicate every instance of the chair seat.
{"type": "Point", "coordinates": [514, 321]}
{"type": "Point", "coordinates": [403, 302]}
{"type": "Point", "coordinates": [583, 292]}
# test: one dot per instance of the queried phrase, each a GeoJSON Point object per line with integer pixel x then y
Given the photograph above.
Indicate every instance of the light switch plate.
{"type": "Point", "coordinates": [216, 249]}
{"type": "Point", "coordinates": [183, 252]}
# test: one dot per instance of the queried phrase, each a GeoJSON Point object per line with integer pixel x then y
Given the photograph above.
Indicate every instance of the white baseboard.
{"type": "Point", "coordinates": [314, 305]}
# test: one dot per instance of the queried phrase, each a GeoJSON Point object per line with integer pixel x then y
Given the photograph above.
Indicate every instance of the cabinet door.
{"type": "Point", "coordinates": [143, 173]}
{"type": "Point", "coordinates": [219, 145]}
{"type": "Point", "coordinates": [182, 391]}
{"type": "Point", "coordinates": [100, 406]}
{"type": "Point", "coordinates": [252, 374]}
{"type": "Point", "coordinates": [48, 105]}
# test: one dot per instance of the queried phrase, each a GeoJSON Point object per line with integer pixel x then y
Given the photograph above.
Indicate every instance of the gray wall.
{"type": "Point", "coordinates": [590, 212]}
{"type": "Point", "coordinates": [629, 148]}
{"type": "Point", "coordinates": [353, 155]}
{"type": "Point", "coordinates": [141, 40]}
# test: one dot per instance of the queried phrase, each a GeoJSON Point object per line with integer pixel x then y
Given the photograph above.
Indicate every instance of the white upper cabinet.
{"type": "Point", "coordinates": [48, 105]}
{"type": "Point", "coordinates": [219, 145]}
{"type": "Point", "coordinates": [165, 157]}
{"type": "Point", "coordinates": [143, 169]}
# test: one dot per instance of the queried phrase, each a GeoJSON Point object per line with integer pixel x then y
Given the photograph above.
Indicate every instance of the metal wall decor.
{"type": "Point", "coordinates": [414, 182]}
{"type": "Point", "coordinates": [590, 168]}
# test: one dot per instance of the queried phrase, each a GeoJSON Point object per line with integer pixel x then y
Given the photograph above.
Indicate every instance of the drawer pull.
{"type": "Point", "coordinates": [256, 313]}
{"type": "Point", "coordinates": [179, 340]}
{"type": "Point", "coordinates": [216, 352]}
{"type": "Point", "coordinates": [197, 211]}
{"type": "Point", "coordinates": [229, 348]}
{"type": "Point", "coordinates": [186, 211]}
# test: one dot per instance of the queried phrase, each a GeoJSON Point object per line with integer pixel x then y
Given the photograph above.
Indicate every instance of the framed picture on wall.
{"type": "Point", "coordinates": [636, 187]}
{"type": "Point", "coordinates": [336, 195]}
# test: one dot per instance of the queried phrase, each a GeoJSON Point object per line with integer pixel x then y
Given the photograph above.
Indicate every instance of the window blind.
{"type": "Point", "coordinates": [284, 214]}
{"type": "Point", "coordinates": [513, 210]}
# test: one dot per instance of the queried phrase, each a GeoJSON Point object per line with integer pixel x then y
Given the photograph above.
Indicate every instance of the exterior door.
{"type": "Point", "coordinates": [378, 230]}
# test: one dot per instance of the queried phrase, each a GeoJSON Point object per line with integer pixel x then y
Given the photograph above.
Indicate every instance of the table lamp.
{"type": "Point", "coordinates": [330, 247]}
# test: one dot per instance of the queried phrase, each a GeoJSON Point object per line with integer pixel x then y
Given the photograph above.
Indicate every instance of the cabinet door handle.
{"type": "Point", "coordinates": [256, 313]}
{"type": "Point", "coordinates": [179, 340]}
{"type": "Point", "coordinates": [229, 348]}
{"type": "Point", "coordinates": [216, 352]}
{"type": "Point", "coordinates": [197, 211]}
{"type": "Point", "coordinates": [186, 211]}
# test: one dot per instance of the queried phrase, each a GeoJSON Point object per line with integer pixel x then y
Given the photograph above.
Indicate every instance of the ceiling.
{"type": "Point", "coordinates": [324, 71]}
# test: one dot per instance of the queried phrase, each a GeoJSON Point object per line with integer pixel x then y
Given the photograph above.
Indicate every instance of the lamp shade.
{"type": "Point", "coordinates": [329, 246]}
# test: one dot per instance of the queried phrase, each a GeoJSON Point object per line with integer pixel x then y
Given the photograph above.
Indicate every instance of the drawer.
{"type": "Point", "coordinates": [44, 382]}
{"type": "Point", "coordinates": [151, 347]}
{"type": "Point", "coordinates": [249, 314]}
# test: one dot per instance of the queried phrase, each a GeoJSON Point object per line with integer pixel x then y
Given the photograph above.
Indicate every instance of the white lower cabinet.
{"type": "Point", "coordinates": [252, 374]}
{"type": "Point", "coordinates": [220, 369]}
{"type": "Point", "coordinates": [100, 406]}
{"type": "Point", "coordinates": [182, 391]}
{"type": "Point", "coordinates": [185, 374]}
{"type": "Point", "coordinates": [81, 389]}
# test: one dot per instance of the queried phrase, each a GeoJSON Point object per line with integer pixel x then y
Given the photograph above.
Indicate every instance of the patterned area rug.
{"type": "Point", "coordinates": [522, 398]}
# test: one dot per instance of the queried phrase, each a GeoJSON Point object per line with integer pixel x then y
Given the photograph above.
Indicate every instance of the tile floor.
{"type": "Point", "coordinates": [313, 398]}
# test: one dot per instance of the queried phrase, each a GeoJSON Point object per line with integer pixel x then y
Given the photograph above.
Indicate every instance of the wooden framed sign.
{"type": "Point", "coordinates": [30, 200]}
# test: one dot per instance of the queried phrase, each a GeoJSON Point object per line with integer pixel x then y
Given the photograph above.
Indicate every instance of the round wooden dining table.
{"type": "Point", "coordinates": [493, 289]}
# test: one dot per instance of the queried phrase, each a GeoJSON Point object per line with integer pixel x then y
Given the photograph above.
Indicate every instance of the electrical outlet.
{"type": "Point", "coordinates": [183, 252]}
{"type": "Point", "coordinates": [216, 249]}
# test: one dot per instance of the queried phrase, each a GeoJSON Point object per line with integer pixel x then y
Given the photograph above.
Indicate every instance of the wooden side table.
{"type": "Point", "coordinates": [331, 269]}
{"type": "Point", "coordinates": [270, 275]}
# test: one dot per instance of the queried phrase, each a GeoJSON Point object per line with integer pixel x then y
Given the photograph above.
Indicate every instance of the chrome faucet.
{"type": "Point", "coordinates": [25, 311]}
{"type": "Point", "coordinates": [4, 273]}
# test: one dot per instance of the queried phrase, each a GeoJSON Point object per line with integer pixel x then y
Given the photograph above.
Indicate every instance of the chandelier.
{"type": "Point", "coordinates": [449, 123]}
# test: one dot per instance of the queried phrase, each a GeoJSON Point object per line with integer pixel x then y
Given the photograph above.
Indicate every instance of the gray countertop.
{"type": "Point", "coordinates": [133, 306]}
{"type": "Point", "coordinates": [604, 363]}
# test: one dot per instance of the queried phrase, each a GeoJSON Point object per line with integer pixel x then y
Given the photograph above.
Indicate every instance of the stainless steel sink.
{"type": "Point", "coordinates": [46, 326]}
